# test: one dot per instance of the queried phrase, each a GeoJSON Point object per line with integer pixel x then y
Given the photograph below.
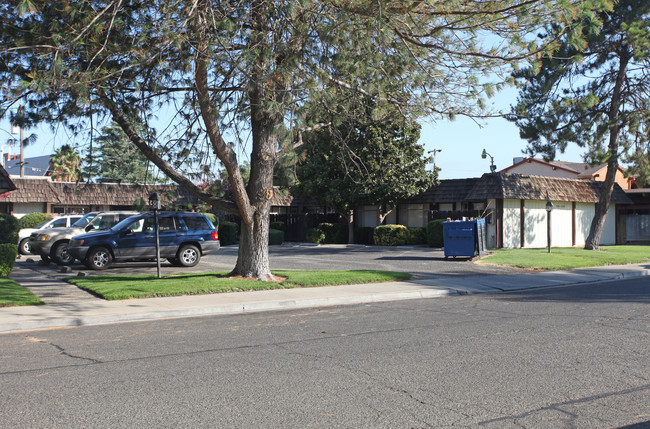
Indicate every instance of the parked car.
{"type": "Point", "coordinates": [183, 238]}
{"type": "Point", "coordinates": [52, 244]}
{"type": "Point", "coordinates": [55, 222]}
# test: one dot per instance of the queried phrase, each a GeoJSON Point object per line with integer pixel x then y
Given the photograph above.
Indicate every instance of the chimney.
{"type": "Point", "coordinates": [517, 160]}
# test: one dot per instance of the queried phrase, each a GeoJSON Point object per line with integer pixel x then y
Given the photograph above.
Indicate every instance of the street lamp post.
{"type": "Point", "coordinates": [154, 202]}
{"type": "Point", "coordinates": [492, 166]}
{"type": "Point", "coordinates": [434, 157]}
{"type": "Point", "coordinates": [549, 208]}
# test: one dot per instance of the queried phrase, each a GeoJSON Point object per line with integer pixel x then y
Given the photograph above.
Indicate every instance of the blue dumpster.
{"type": "Point", "coordinates": [465, 238]}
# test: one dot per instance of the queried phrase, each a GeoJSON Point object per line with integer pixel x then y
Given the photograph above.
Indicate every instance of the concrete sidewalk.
{"type": "Point", "coordinates": [68, 305]}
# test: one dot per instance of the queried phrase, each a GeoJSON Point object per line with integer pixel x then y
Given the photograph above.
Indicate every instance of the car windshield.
{"type": "Point", "coordinates": [84, 220]}
{"type": "Point", "coordinates": [41, 226]}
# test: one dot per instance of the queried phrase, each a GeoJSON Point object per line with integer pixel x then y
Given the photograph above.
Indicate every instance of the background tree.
{"type": "Point", "coordinates": [237, 76]}
{"type": "Point", "coordinates": [65, 165]}
{"type": "Point", "coordinates": [114, 158]}
{"type": "Point", "coordinates": [375, 163]}
{"type": "Point", "coordinates": [593, 92]}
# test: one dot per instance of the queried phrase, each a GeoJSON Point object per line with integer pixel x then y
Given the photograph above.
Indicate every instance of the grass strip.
{"type": "Point", "coordinates": [13, 294]}
{"type": "Point", "coordinates": [114, 287]}
{"type": "Point", "coordinates": [567, 258]}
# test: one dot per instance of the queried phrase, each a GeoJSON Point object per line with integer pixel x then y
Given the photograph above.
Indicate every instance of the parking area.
{"type": "Point", "coordinates": [420, 261]}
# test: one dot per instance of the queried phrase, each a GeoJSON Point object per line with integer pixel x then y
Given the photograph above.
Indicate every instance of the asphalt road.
{"type": "Point", "coordinates": [420, 261]}
{"type": "Point", "coordinates": [572, 357]}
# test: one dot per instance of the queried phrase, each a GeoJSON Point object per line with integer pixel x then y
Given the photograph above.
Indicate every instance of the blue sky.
{"type": "Point", "coordinates": [461, 141]}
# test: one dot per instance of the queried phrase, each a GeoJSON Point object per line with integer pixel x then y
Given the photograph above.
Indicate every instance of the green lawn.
{"type": "Point", "coordinates": [146, 286]}
{"type": "Point", "coordinates": [12, 294]}
{"type": "Point", "coordinates": [566, 258]}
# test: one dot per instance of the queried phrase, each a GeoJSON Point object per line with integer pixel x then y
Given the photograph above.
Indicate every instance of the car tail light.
{"type": "Point", "coordinates": [215, 235]}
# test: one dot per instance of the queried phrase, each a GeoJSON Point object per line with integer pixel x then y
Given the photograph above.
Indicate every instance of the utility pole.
{"type": "Point", "coordinates": [434, 151]}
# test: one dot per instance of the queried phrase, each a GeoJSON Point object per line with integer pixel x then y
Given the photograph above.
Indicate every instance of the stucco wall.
{"type": "Point", "coordinates": [537, 169]}
{"type": "Point", "coordinates": [536, 227]}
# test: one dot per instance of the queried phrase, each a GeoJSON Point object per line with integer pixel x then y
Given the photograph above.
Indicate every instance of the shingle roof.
{"type": "Point", "coordinates": [32, 190]}
{"type": "Point", "coordinates": [450, 190]}
{"type": "Point", "coordinates": [42, 190]}
{"type": "Point", "coordinates": [525, 187]}
{"type": "Point", "coordinates": [6, 184]}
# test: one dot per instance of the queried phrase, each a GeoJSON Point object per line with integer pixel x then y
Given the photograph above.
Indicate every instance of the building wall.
{"type": "Point", "coordinates": [584, 214]}
{"type": "Point", "coordinates": [511, 224]}
{"type": "Point", "coordinates": [22, 209]}
{"type": "Point", "coordinates": [537, 169]}
{"type": "Point", "coordinates": [536, 227]}
{"type": "Point", "coordinates": [413, 215]}
{"type": "Point", "coordinates": [622, 181]}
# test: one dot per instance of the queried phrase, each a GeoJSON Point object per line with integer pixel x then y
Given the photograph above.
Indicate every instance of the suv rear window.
{"type": "Point", "coordinates": [195, 223]}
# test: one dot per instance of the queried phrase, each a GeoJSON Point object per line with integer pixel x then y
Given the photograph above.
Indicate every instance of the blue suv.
{"type": "Point", "coordinates": [184, 238]}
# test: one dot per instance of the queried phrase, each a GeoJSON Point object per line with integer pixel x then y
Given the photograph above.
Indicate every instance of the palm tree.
{"type": "Point", "coordinates": [65, 165]}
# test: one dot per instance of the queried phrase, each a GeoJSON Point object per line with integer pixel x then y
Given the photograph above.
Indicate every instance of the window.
{"type": "Point", "coordinates": [59, 223]}
{"type": "Point", "coordinates": [195, 223]}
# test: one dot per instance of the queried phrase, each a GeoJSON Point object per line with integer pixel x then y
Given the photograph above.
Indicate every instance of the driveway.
{"type": "Point", "coordinates": [420, 261]}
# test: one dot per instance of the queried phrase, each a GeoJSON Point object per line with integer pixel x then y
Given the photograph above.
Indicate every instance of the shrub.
{"type": "Point", "coordinates": [33, 220]}
{"type": "Point", "coordinates": [434, 233]}
{"type": "Point", "coordinates": [228, 232]}
{"type": "Point", "coordinates": [364, 235]}
{"type": "Point", "coordinates": [391, 235]}
{"type": "Point", "coordinates": [335, 232]}
{"type": "Point", "coordinates": [8, 254]}
{"type": "Point", "coordinates": [417, 235]}
{"type": "Point", "coordinates": [276, 236]}
{"type": "Point", "coordinates": [278, 225]}
{"type": "Point", "coordinates": [315, 235]}
{"type": "Point", "coordinates": [9, 228]}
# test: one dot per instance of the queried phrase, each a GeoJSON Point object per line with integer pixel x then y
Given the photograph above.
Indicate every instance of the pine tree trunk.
{"type": "Point", "coordinates": [598, 222]}
{"type": "Point", "coordinates": [253, 256]}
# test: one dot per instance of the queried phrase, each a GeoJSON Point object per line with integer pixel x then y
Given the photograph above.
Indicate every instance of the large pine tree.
{"type": "Point", "coordinates": [594, 92]}
{"type": "Point", "coordinates": [237, 75]}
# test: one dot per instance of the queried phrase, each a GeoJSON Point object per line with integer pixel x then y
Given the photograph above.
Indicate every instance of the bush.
{"type": "Point", "coordinates": [9, 227]}
{"type": "Point", "coordinates": [335, 232]}
{"type": "Point", "coordinates": [434, 233]}
{"type": "Point", "coordinates": [8, 254]}
{"type": "Point", "coordinates": [228, 233]}
{"type": "Point", "coordinates": [315, 235]}
{"type": "Point", "coordinates": [33, 220]}
{"type": "Point", "coordinates": [417, 235]}
{"type": "Point", "coordinates": [364, 235]}
{"type": "Point", "coordinates": [276, 236]}
{"type": "Point", "coordinates": [391, 235]}
{"type": "Point", "coordinates": [278, 225]}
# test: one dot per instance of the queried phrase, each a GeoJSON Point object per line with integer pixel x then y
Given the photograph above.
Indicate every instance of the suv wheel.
{"type": "Point", "coordinates": [188, 256]}
{"type": "Point", "coordinates": [23, 247]}
{"type": "Point", "coordinates": [99, 258]}
{"type": "Point", "coordinates": [61, 256]}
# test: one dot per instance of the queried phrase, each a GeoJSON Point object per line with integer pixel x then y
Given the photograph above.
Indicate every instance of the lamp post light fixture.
{"type": "Point", "coordinates": [549, 208]}
{"type": "Point", "coordinates": [154, 202]}
{"type": "Point", "coordinates": [492, 166]}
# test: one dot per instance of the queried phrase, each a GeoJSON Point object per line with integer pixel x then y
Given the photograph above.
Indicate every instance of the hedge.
{"type": "Point", "coordinates": [336, 233]}
{"type": "Point", "coordinates": [391, 235]}
{"type": "Point", "coordinates": [315, 235]}
{"type": "Point", "coordinates": [417, 235]}
{"type": "Point", "coordinates": [276, 236]}
{"type": "Point", "coordinates": [33, 220]}
{"type": "Point", "coordinates": [278, 225]}
{"type": "Point", "coordinates": [228, 233]}
{"type": "Point", "coordinates": [9, 227]}
{"type": "Point", "coordinates": [434, 233]}
{"type": "Point", "coordinates": [8, 254]}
